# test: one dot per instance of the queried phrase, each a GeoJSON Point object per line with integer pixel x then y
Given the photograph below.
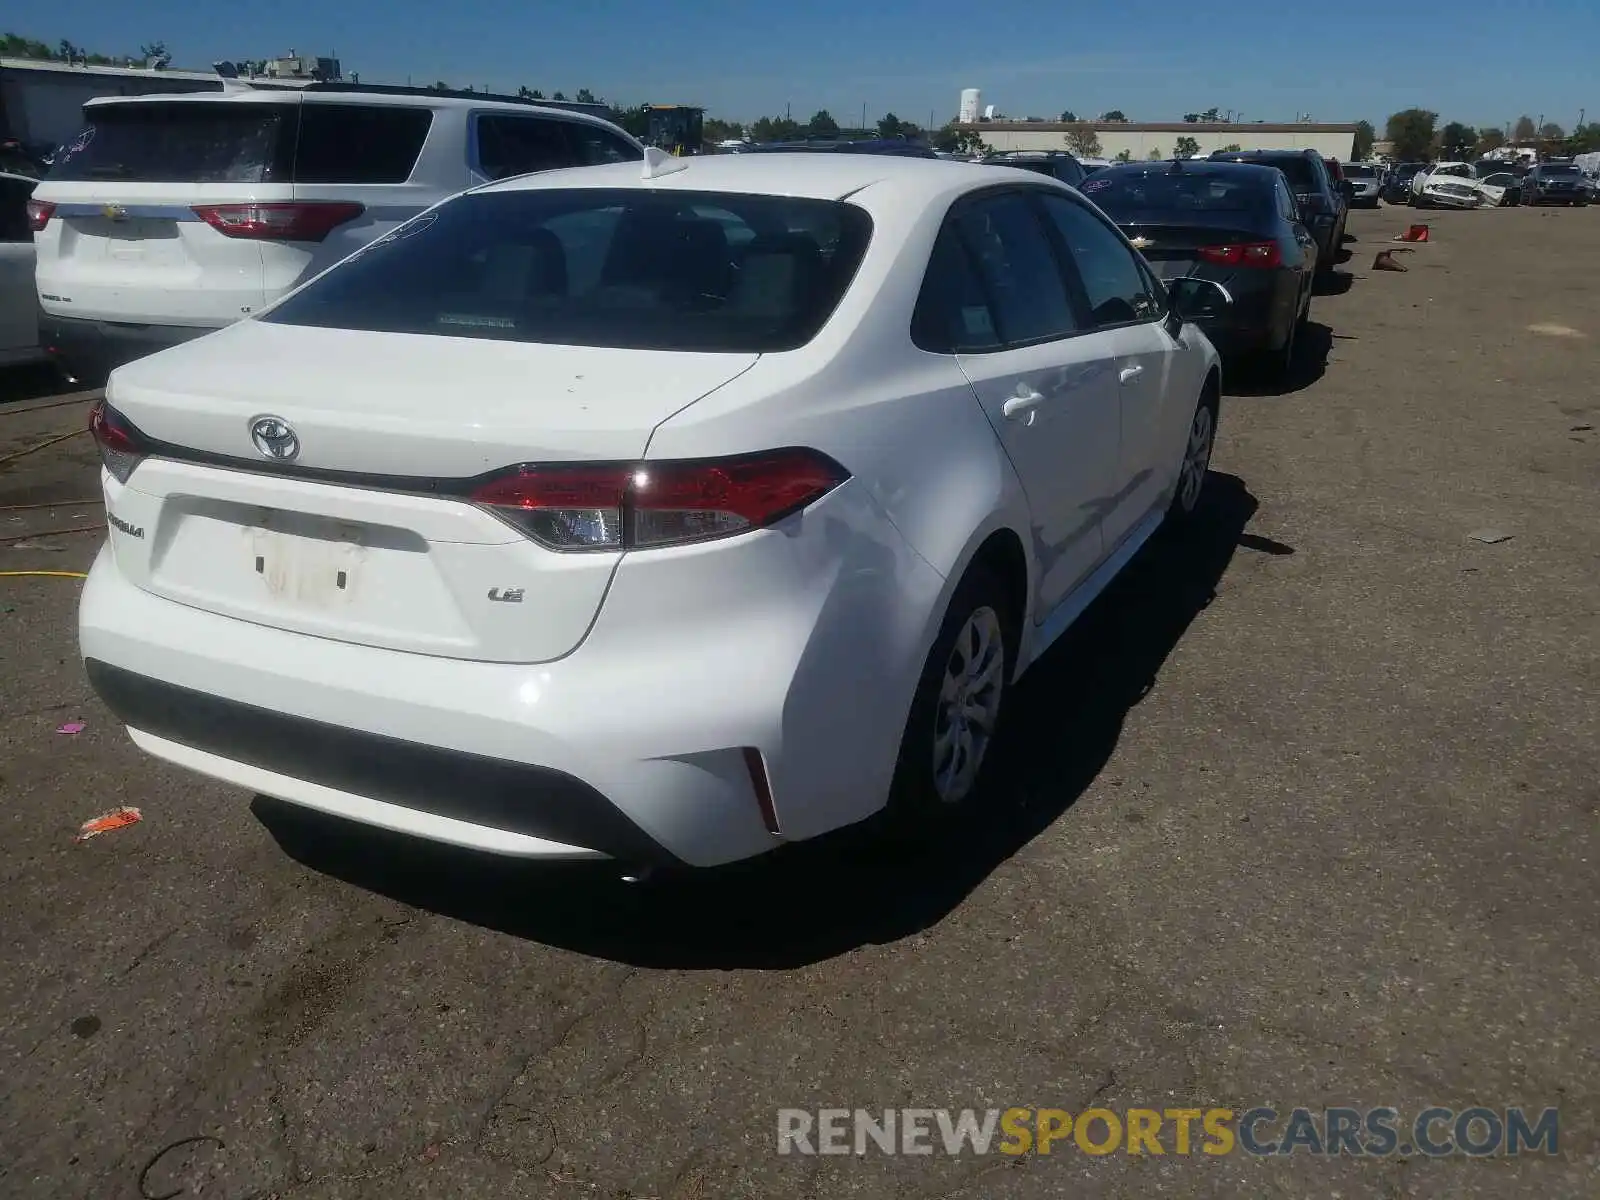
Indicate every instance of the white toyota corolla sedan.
{"type": "Point", "coordinates": [662, 512]}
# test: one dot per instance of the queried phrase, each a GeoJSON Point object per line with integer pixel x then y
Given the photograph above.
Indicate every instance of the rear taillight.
{"type": "Point", "coordinates": [121, 446]}
{"type": "Point", "coordinates": [642, 505]}
{"type": "Point", "coordinates": [1243, 254]}
{"type": "Point", "coordinates": [300, 221]}
{"type": "Point", "coordinates": [39, 214]}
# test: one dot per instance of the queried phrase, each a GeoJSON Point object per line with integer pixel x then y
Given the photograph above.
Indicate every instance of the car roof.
{"type": "Point", "coordinates": [1193, 166]}
{"type": "Point", "coordinates": [1237, 154]}
{"type": "Point", "coordinates": [376, 99]}
{"type": "Point", "coordinates": [915, 181]}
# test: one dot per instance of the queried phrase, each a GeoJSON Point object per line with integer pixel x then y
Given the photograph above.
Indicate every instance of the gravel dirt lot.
{"type": "Point", "coordinates": [1304, 813]}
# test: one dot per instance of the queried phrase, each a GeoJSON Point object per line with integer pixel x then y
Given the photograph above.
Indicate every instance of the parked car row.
{"type": "Point", "coordinates": [1487, 183]}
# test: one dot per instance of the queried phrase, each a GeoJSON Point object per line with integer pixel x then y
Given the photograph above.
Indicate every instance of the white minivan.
{"type": "Point", "coordinates": [170, 216]}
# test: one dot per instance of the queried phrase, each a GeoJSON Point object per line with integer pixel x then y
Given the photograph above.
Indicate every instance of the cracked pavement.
{"type": "Point", "coordinates": [1304, 813]}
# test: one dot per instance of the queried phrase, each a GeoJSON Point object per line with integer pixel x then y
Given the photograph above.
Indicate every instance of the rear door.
{"type": "Point", "coordinates": [19, 322]}
{"type": "Point", "coordinates": [1047, 384]}
{"type": "Point", "coordinates": [126, 242]}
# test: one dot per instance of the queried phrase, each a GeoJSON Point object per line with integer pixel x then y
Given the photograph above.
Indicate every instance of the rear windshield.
{"type": "Point", "coordinates": [1297, 167]}
{"type": "Point", "coordinates": [230, 142]}
{"type": "Point", "coordinates": [1357, 171]}
{"type": "Point", "coordinates": [626, 268]}
{"type": "Point", "coordinates": [1121, 194]}
{"type": "Point", "coordinates": [179, 143]}
{"type": "Point", "coordinates": [1559, 169]}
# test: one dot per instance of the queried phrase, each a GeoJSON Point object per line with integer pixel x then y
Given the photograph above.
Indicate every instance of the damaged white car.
{"type": "Point", "coordinates": [1450, 185]}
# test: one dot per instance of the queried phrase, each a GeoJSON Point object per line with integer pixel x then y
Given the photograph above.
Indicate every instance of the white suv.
{"type": "Point", "coordinates": [171, 216]}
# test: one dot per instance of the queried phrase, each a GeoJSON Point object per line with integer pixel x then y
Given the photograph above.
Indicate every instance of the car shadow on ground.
{"type": "Point", "coordinates": [1334, 283]}
{"type": "Point", "coordinates": [815, 900]}
{"type": "Point", "coordinates": [1310, 364]}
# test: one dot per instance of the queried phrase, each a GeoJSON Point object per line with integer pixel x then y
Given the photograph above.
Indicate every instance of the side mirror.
{"type": "Point", "coordinates": [1198, 299]}
{"type": "Point", "coordinates": [1348, 188]}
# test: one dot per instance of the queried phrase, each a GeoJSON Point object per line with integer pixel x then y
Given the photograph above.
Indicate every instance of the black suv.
{"type": "Point", "coordinates": [1057, 164]}
{"type": "Point", "coordinates": [1324, 204]}
{"type": "Point", "coordinates": [1555, 183]}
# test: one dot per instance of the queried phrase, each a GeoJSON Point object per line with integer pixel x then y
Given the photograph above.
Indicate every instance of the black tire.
{"type": "Point", "coordinates": [1186, 503]}
{"type": "Point", "coordinates": [917, 803]}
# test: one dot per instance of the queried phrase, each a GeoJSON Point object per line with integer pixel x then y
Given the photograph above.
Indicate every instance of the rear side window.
{"type": "Point", "coordinates": [952, 314]}
{"type": "Point", "coordinates": [1018, 268]}
{"type": "Point", "coordinates": [180, 142]}
{"type": "Point", "coordinates": [515, 145]}
{"type": "Point", "coordinates": [1297, 168]}
{"type": "Point", "coordinates": [359, 143]}
{"type": "Point", "coordinates": [624, 268]}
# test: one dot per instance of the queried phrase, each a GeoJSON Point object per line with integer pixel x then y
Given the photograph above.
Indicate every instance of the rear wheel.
{"type": "Point", "coordinates": [1196, 460]}
{"type": "Point", "coordinates": [956, 710]}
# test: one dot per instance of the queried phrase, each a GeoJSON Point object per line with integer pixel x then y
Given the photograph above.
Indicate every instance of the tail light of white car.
{"type": "Point", "coordinates": [296, 221]}
{"type": "Point", "coordinates": [645, 505]}
{"type": "Point", "coordinates": [1243, 254]}
{"type": "Point", "coordinates": [121, 446]}
{"type": "Point", "coordinates": [39, 214]}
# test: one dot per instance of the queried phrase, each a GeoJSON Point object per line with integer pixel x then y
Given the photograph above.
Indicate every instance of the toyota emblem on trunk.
{"type": "Point", "coordinates": [274, 439]}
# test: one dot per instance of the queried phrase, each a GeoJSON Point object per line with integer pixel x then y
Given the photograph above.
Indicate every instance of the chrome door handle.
{"type": "Point", "coordinates": [1129, 374]}
{"type": "Point", "coordinates": [1022, 405]}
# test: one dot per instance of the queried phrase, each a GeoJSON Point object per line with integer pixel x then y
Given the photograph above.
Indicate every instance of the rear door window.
{"type": "Point", "coordinates": [1027, 294]}
{"type": "Point", "coordinates": [359, 143]}
{"type": "Point", "coordinates": [181, 142]}
{"type": "Point", "coordinates": [593, 145]}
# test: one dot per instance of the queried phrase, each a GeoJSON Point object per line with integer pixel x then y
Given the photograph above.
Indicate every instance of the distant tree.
{"type": "Point", "coordinates": [717, 130]}
{"type": "Point", "coordinates": [955, 138]}
{"type": "Point", "coordinates": [1083, 140]}
{"type": "Point", "coordinates": [153, 50]}
{"type": "Point", "coordinates": [632, 120]}
{"type": "Point", "coordinates": [1489, 139]}
{"type": "Point", "coordinates": [1232, 148]}
{"type": "Point", "coordinates": [1585, 139]}
{"type": "Point", "coordinates": [822, 123]}
{"type": "Point", "coordinates": [1456, 140]}
{"type": "Point", "coordinates": [1551, 132]}
{"type": "Point", "coordinates": [1117, 115]}
{"type": "Point", "coordinates": [1365, 136]}
{"type": "Point", "coordinates": [1068, 117]}
{"type": "Point", "coordinates": [1211, 116]}
{"type": "Point", "coordinates": [1411, 132]}
{"type": "Point", "coordinates": [1154, 155]}
{"type": "Point", "coordinates": [585, 96]}
{"type": "Point", "coordinates": [1524, 130]}
{"type": "Point", "coordinates": [774, 129]}
{"type": "Point", "coordinates": [525, 93]}
{"type": "Point", "coordinates": [1123, 156]}
{"type": "Point", "coordinates": [559, 96]}
{"type": "Point", "coordinates": [1186, 147]}
{"type": "Point", "coordinates": [439, 85]}
{"type": "Point", "coordinates": [889, 126]}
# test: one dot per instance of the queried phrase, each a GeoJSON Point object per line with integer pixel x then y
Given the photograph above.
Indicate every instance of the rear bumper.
{"type": "Point", "coordinates": [90, 350]}
{"type": "Point", "coordinates": [1252, 322]}
{"type": "Point", "coordinates": [633, 746]}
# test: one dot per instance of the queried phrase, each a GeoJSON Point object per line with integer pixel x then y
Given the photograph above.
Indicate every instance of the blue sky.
{"type": "Point", "coordinates": [1469, 60]}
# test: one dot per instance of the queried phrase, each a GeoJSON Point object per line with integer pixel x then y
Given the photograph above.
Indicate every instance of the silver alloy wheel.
{"type": "Point", "coordinates": [969, 705]}
{"type": "Point", "coordinates": [1196, 458]}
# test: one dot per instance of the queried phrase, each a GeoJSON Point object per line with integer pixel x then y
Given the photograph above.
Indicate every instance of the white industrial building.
{"type": "Point", "coordinates": [971, 106]}
{"type": "Point", "coordinates": [1143, 141]}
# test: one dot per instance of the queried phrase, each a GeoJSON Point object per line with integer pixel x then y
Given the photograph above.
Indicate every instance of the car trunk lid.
{"type": "Point", "coordinates": [366, 533]}
{"type": "Point", "coordinates": [1173, 250]}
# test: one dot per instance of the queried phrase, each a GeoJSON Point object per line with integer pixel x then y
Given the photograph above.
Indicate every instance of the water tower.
{"type": "Point", "coordinates": [971, 106]}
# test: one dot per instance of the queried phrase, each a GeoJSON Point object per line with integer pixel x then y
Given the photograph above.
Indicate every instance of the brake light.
{"type": "Point", "coordinates": [1243, 254]}
{"type": "Point", "coordinates": [643, 505]}
{"type": "Point", "coordinates": [121, 445]}
{"type": "Point", "coordinates": [39, 214]}
{"type": "Point", "coordinates": [300, 221]}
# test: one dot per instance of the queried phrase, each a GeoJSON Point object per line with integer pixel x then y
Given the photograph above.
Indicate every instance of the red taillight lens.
{"type": "Point", "coordinates": [121, 447]}
{"type": "Point", "coordinates": [1243, 254]}
{"type": "Point", "coordinates": [39, 214]}
{"type": "Point", "coordinates": [643, 505]}
{"type": "Point", "coordinates": [302, 221]}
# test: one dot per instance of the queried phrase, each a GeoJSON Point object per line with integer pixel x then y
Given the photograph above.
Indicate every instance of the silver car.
{"type": "Point", "coordinates": [1366, 183]}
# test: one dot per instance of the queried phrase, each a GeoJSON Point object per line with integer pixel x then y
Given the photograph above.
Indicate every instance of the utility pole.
{"type": "Point", "coordinates": [863, 116]}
